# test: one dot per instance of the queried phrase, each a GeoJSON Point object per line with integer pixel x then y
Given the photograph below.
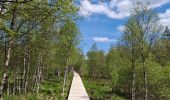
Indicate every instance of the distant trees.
{"type": "Point", "coordinates": [96, 63]}
{"type": "Point", "coordinates": [139, 63]}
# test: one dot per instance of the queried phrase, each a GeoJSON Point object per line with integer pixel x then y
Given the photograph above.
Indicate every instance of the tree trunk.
{"type": "Point", "coordinates": [39, 76]}
{"type": "Point", "coordinates": [34, 81]}
{"type": "Point", "coordinates": [25, 68]}
{"type": "Point", "coordinates": [133, 85]}
{"type": "Point", "coordinates": [8, 56]}
{"type": "Point", "coordinates": [13, 91]}
{"type": "Point", "coordinates": [133, 74]}
{"type": "Point", "coordinates": [5, 74]}
{"type": "Point", "coordinates": [14, 82]}
{"type": "Point", "coordinates": [27, 74]}
{"type": "Point", "coordinates": [8, 88]}
{"type": "Point", "coordinates": [58, 72]}
{"type": "Point", "coordinates": [65, 77]}
{"type": "Point", "coordinates": [18, 80]}
{"type": "Point", "coordinates": [145, 80]}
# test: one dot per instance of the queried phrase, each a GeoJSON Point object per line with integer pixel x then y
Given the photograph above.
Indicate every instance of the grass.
{"type": "Point", "coordinates": [100, 89]}
{"type": "Point", "coordinates": [49, 90]}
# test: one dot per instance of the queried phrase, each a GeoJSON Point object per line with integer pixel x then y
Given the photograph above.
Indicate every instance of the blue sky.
{"type": "Point", "coordinates": [103, 22]}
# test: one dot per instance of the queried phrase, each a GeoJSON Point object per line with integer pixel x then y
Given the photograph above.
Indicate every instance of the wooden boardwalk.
{"type": "Point", "coordinates": [77, 90]}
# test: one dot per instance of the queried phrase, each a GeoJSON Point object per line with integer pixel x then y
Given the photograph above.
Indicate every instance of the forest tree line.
{"type": "Point", "coordinates": [38, 41]}
{"type": "Point", "coordinates": [139, 63]}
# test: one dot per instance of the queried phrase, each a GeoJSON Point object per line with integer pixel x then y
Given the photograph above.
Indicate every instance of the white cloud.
{"type": "Point", "coordinates": [165, 18]}
{"type": "Point", "coordinates": [87, 9]}
{"type": "Point", "coordinates": [103, 39]}
{"type": "Point", "coordinates": [121, 28]}
{"type": "Point", "coordinates": [157, 3]}
{"type": "Point", "coordinates": [116, 9]}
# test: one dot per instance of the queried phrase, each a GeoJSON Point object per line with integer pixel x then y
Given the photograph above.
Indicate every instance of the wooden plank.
{"type": "Point", "coordinates": [77, 90]}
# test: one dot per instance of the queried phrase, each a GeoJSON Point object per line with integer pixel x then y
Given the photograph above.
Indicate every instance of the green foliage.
{"type": "Point", "coordinates": [100, 89]}
{"type": "Point", "coordinates": [44, 40]}
{"type": "Point", "coordinates": [67, 41]}
{"type": "Point", "coordinates": [7, 30]}
{"type": "Point", "coordinates": [96, 63]}
{"type": "Point", "coordinates": [49, 89]}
